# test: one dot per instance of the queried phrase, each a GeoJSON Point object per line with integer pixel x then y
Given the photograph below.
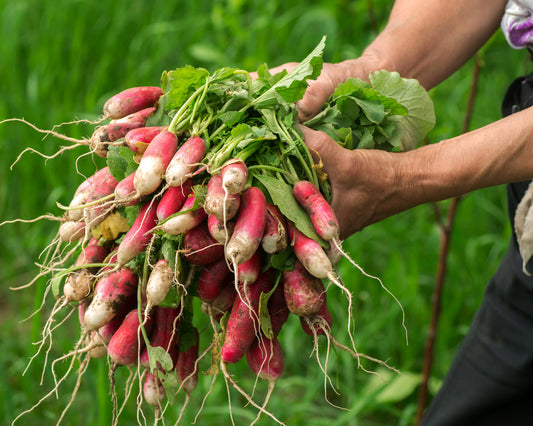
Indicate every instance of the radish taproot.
{"type": "Point", "coordinates": [187, 218]}
{"type": "Point", "coordinates": [302, 291]}
{"type": "Point", "coordinates": [126, 345]}
{"type": "Point", "coordinates": [234, 176]}
{"type": "Point", "coordinates": [199, 247]}
{"type": "Point", "coordinates": [185, 161]}
{"type": "Point", "coordinates": [249, 226]}
{"type": "Point", "coordinates": [114, 289]}
{"type": "Point", "coordinates": [218, 203]}
{"type": "Point", "coordinates": [139, 235]}
{"type": "Point", "coordinates": [242, 326]}
{"type": "Point", "coordinates": [159, 283]}
{"type": "Point", "coordinates": [149, 175]}
{"type": "Point", "coordinates": [173, 199]}
{"type": "Point", "coordinates": [131, 100]}
{"type": "Point", "coordinates": [319, 210]}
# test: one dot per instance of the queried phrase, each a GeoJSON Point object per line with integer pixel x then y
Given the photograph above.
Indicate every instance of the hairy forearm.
{"type": "Point", "coordinates": [499, 153]}
{"type": "Point", "coordinates": [430, 40]}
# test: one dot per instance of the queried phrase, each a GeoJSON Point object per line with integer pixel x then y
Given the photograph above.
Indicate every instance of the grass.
{"type": "Point", "coordinates": [61, 59]}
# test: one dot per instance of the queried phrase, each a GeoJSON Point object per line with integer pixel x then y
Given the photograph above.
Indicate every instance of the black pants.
{"type": "Point", "coordinates": [491, 379]}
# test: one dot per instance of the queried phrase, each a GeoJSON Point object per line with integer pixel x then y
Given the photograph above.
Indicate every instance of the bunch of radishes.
{"type": "Point", "coordinates": [208, 192]}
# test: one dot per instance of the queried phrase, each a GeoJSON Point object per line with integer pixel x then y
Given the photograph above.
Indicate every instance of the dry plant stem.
{"type": "Point", "coordinates": [445, 236]}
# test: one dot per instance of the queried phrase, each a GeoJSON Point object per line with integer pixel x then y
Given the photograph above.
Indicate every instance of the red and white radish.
{"type": "Point", "coordinates": [131, 100]}
{"type": "Point", "coordinates": [275, 237]}
{"type": "Point", "coordinates": [218, 203]}
{"type": "Point", "coordinates": [187, 219]}
{"type": "Point", "coordinates": [173, 199]}
{"type": "Point", "coordinates": [200, 248]}
{"type": "Point", "coordinates": [185, 161]}
{"type": "Point", "coordinates": [234, 176]}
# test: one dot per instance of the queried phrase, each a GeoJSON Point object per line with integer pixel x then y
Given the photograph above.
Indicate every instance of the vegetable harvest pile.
{"type": "Point", "coordinates": [210, 204]}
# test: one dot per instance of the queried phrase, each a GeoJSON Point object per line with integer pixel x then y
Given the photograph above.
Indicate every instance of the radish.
{"type": "Point", "coordinates": [173, 199]}
{"type": "Point", "coordinates": [131, 100]}
{"type": "Point", "coordinates": [153, 390]}
{"type": "Point", "coordinates": [186, 367]}
{"type": "Point", "coordinates": [234, 176]}
{"type": "Point", "coordinates": [164, 333]}
{"type": "Point", "coordinates": [125, 193]}
{"type": "Point", "coordinates": [149, 174]}
{"type": "Point", "coordinates": [249, 271]}
{"type": "Point", "coordinates": [185, 161]}
{"type": "Point", "coordinates": [322, 215]}
{"type": "Point", "coordinates": [302, 291]}
{"type": "Point", "coordinates": [249, 227]}
{"type": "Point", "coordinates": [242, 326]}
{"type": "Point", "coordinates": [275, 237]}
{"type": "Point", "coordinates": [100, 189]}
{"type": "Point", "coordinates": [138, 117]}
{"type": "Point", "coordinates": [223, 302]}
{"type": "Point", "coordinates": [211, 280]}
{"type": "Point", "coordinates": [200, 248]}
{"type": "Point", "coordinates": [186, 220]}
{"type": "Point", "coordinates": [218, 203]}
{"type": "Point", "coordinates": [138, 139]}
{"type": "Point", "coordinates": [159, 283]}
{"type": "Point", "coordinates": [277, 309]}
{"type": "Point", "coordinates": [79, 283]}
{"type": "Point", "coordinates": [265, 358]}
{"type": "Point", "coordinates": [71, 231]}
{"type": "Point", "coordinates": [320, 322]}
{"type": "Point", "coordinates": [126, 344]}
{"type": "Point", "coordinates": [108, 133]}
{"type": "Point", "coordinates": [310, 253]}
{"type": "Point", "coordinates": [114, 289]}
{"type": "Point", "coordinates": [75, 212]}
{"type": "Point", "coordinates": [219, 230]}
{"type": "Point", "coordinates": [139, 235]}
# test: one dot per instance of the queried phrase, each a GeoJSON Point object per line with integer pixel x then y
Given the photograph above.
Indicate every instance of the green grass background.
{"type": "Point", "coordinates": [60, 60]}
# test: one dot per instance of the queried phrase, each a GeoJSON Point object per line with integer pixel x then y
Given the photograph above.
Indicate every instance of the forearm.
{"type": "Point", "coordinates": [496, 154]}
{"type": "Point", "coordinates": [430, 40]}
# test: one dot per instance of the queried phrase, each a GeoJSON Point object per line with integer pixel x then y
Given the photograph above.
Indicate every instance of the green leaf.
{"type": "Point", "coordinates": [399, 388]}
{"type": "Point", "coordinates": [120, 161]}
{"type": "Point", "coordinates": [180, 83]}
{"type": "Point", "coordinates": [408, 92]}
{"type": "Point", "coordinates": [159, 357]}
{"type": "Point", "coordinates": [292, 86]}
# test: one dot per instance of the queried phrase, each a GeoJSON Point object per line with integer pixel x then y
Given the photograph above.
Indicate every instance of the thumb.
{"type": "Point", "coordinates": [323, 149]}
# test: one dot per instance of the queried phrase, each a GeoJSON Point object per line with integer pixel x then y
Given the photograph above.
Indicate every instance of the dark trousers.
{"type": "Point", "coordinates": [491, 379]}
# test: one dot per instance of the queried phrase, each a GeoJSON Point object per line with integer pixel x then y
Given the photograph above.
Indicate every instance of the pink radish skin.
{"type": "Point", "coordinates": [200, 248]}
{"type": "Point", "coordinates": [302, 291]}
{"type": "Point", "coordinates": [234, 176]}
{"type": "Point", "coordinates": [185, 221]}
{"type": "Point", "coordinates": [138, 117]}
{"type": "Point", "coordinates": [248, 272]}
{"type": "Point", "coordinates": [275, 236]}
{"type": "Point", "coordinates": [131, 100]}
{"type": "Point", "coordinates": [219, 204]}
{"type": "Point", "coordinates": [310, 253]}
{"type": "Point", "coordinates": [159, 283]}
{"type": "Point", "coordinates": [223, 302]}
{"type": "Point", "coordinates": [217, 229]}
{"type": "Point", "coordinates": [185, 161]}
{"type": "Point", "coordinates": [127, 342]}
{"type": "Point", "coordinates": [153, 390]}
{"type": "Point", "coordinates": [186, 368]}
{"type": "Point", "coordinates": [149, 174]}
{"type": "Point", "coordinates": [243, 324]}
{"type": "Point", "coordinates": [108, 133]}
{"type": "Point", "coordinates": [79, 284]}
{"type": "Point", "coordinates": [321, 214]}
{"type": "Point", "coordinates": [95, 214]}
{"type": "Point", "coordinates": [211, 280]}
{"type": "Point", "coordinates": [139, 235]}
{"type": "Point", "coordinates": [82, 193]}
{"type": "Point", "coordinates": [265, 359]}
{"type": "Point", "coordinates": [249, 227]}
{"type": "Point", "coordinates": [173, 199]}
{"type": "Point", "coordinates": [164, 332]}
{"type": "Point", "coordinates": [111, 292]}
{"type": "Point", "coordinates": [125, 193]}
{"type": "Point", "coordinates": [277, 309]}
{"type": "Point", "coordinates": [138, 139]}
